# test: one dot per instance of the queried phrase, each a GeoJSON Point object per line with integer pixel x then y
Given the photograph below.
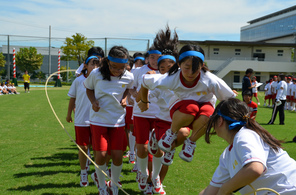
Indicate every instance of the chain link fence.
{"type": "Point", "coordinates": [49, 46]}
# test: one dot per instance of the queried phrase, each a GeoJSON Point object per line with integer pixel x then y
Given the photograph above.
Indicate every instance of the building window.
{"type": "Point", "coordinates": [216, 49]}
{"type": "Point", "coordinates": [216, 53]}
{"type": "Point", "coordinates": [237, 54]}
{"type": "Point", "coordinates": [258, 50]}
{"type": "Point", "coordinates": [236, 78]}
{"type": "Point", "coordinates": [280, 52]}
{"type": "Point", "coordinates": [237, 50]}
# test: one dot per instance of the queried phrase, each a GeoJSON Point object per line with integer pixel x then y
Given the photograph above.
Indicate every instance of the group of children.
{"type": "Point", "coordinates": [271, 91]}
{"type": "Point", "coordinates": [8, 88]}
{"type": "Point", "coordinates": [151, 106]}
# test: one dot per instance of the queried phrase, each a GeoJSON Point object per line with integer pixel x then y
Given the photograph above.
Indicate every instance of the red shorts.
{"type": "Point", "coordinates": [83, 135]}
{"type": "Point", "coordinates": [267, 97]}
{"type": "Point", "coordinates": [142, 127]}
{"type": "Point", "coordinates": [255, 94]}
{"type": "Point", "coordinates": [288, 97]}
{"type": "Point", "coordinates": [193, 108]}
{"type": "Point", "coordinates": [108, 138]}
{"type": "Point", "coordinates": [128, 116]}
{"type": "Point", "coordinates": [273, 96]}
{"type": "Point", "coordinates": [160, 128]}
{"type": "Point", "coordinates": [292, 98]}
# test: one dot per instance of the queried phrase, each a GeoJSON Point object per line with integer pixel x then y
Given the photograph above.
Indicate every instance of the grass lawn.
{"type": "Point", "coordinates": [38, 157]}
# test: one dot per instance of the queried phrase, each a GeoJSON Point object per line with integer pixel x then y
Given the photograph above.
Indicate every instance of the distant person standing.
{"type": "Point", "coordinates": [280, 101]}
{"type": "Point", "coordinates": [255, 89]}
{"type": "Point", "coordinates": [247, 84]}
{"type": "Point", "coordinates": [26, 79]}
{"type": "Point", "coordinates": [274, 88]}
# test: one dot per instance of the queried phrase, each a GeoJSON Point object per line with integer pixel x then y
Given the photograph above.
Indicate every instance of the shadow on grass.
{"type": "Point", "coordinates": [43, 165]}
{"type": "Point", "coordinates": [289, 142]}
{"type": "Point", "coordinates": [44, 186]}
{"type": "Point", "coordinates": [59, 156]}
{"type": "Point", "coordinates": [41, 173]}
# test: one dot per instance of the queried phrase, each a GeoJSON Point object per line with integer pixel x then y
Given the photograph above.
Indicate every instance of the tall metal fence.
{"type": "Point", "coordinates": [49, 46]}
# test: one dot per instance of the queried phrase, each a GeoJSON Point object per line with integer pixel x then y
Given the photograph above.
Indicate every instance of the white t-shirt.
{"type": "Point", "coordinates": [208, 88]}
{"type": "Point", "coordinates": [247, 147]}
{"type": "Point", "coordinates": [82, 103]}
{"type": "Point", "coordinates": [289, 88]}
{"type": "Point", "coordinates": [293, 90]}
{"type": "Point", "coordinates": [273, 86]}
{"type": "Point", "coordinates": [153, 108]}
{"type": "Point", "coordinates": [254, 89]}
{"type": "Point", "coordinates": [109, 94]}
{"type": "Point", "coordinates": [281, 90]}
{"type": "Point", "coordinates": [267, 89]}
{"type": "Point", "coordinates": [163, 98]}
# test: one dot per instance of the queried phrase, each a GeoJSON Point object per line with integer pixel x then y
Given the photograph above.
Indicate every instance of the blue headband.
{"type": "Point", "coordinates": [140, 58]}
{"type": "Point", "coordinates": [192, 53]}
{"type": "Point", "coordinates": [235, 122]}
{"type": "Point", "coordinates": [91, 57]}
{"type": "Point", "coordinates": [166, 57]}
{"type": "Point", "coordinates": [118, 60]}
{"type": "Point", "coordinates": [154, 52]}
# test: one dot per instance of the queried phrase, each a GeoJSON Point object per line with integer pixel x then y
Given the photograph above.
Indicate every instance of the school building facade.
{"type": "Point", "coordinates": [267, 46]}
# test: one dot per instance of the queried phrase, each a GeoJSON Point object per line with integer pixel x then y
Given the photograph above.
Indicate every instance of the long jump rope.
{"type": "Point", "coordinates": [56, 116]}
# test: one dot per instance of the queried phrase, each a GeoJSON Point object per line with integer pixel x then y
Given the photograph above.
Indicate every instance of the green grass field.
{"type": "Point", "coordinates": [38, 157]}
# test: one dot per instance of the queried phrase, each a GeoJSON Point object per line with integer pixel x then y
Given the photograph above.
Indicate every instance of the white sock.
{"type": "Point", "coordinates": [83, 171]}
{"type": "Point", "coordinates": [132, 141]}
{"type": "Point", "coordinates": [142, 164]}
{"type": "Point", "coordinates": [115, 170]}
{"type": "Point", "coordinates": [156, 166]}
{"type": "Point", "coordinates": [101, 176]}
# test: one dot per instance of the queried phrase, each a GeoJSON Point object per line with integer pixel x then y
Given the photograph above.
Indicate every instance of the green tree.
{"type": "Point", "coordinates": [76, 48]}
{"type": "Point", "coordinates": [2, 60]}
{"type": "Point", "coordinates": [64, 74]}
{"type": "Point", "coordinates": [28, 59]}
{"type": "Point", "coordinates": [40, 75]}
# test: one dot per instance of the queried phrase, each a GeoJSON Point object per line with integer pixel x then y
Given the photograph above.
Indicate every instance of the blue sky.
{"type": "Point", "coordinates": [193, 19]}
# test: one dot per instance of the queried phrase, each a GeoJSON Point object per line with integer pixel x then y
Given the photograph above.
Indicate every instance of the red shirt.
{"type": "Point", "coordinates": [252, 108]}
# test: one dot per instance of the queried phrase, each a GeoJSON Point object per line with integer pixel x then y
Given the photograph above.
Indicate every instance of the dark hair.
{"type": "Point", "coordinates": [238, 110]}
{"type": "Point", "coordinates": [282, 76]}
{"type": "Point", "coordinates": [249, 70]}
{"type": "Point", "coordinates": [84, 70]}
{"type": "Point", "coordinates": [166, 42]}
{"type": "Point", "coordinates": [247, 92]}
{"type": "Point", "coordinates": [97, 51]}
{"type": "Point", "coordinates": [196, 61]}
{"type": "Point", "coordinates": [138, 54]}
{"type": "Point", "coordinates": [116, 52]}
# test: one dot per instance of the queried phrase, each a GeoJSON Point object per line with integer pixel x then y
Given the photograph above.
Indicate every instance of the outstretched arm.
{"type": "Point", "coordinates": [142, 99]}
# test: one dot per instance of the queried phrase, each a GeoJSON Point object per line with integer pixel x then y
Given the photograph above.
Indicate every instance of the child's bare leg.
{"type": "Point", "coordinates": [199, 127]}
{"type": "Point", "coordinates": [180, 120]}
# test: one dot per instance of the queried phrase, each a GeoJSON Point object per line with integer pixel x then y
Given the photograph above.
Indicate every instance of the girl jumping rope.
{"type": "Point", "coordinates": [195, 90]}
{"type": "Point", "coordinates": [107, 88]}
{"type": "Point", "coordinates": [163, 42]}
{"type": "Point", "coordinates": [78, 98]}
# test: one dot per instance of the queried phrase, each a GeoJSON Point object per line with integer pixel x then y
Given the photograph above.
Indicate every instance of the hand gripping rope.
{"type": "Point", "coordinates": [70, 135]}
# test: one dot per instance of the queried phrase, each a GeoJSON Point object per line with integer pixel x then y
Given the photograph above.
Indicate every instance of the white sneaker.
{"type": "Point", "coordinates": [152, 145]}
{"type": "Point", "coordinates": [127, 154]}
{"type": "Point", "coordinates": [258, 103]}
{"type": "Point", "coordinates": [166, 141]}
{"type": "Point", "coordinates": [112, 190]}
{"type": "Point", "coordinates": [95, 179]}
{"type": "Point", "coordinates": [187, 151]}
{"type": "Point", "coordinates": [132, 158]}
{"type": "Point", "coordinates": [168, 157]}
{"type": "Point", "coordinates": [149, 189]}
{"type": "Point", "coordinates": [83, 180]}
{"type": "Point", "coordinates": [157, 186]}
{"type": "Point", "coordinates": [103, 191]}
{"type": "Point", "coordinates": [142, 181]}
{"type": "Point", "coordinates": [264, 104]}
{"type": "Point", "coordinates": [135, 168]}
